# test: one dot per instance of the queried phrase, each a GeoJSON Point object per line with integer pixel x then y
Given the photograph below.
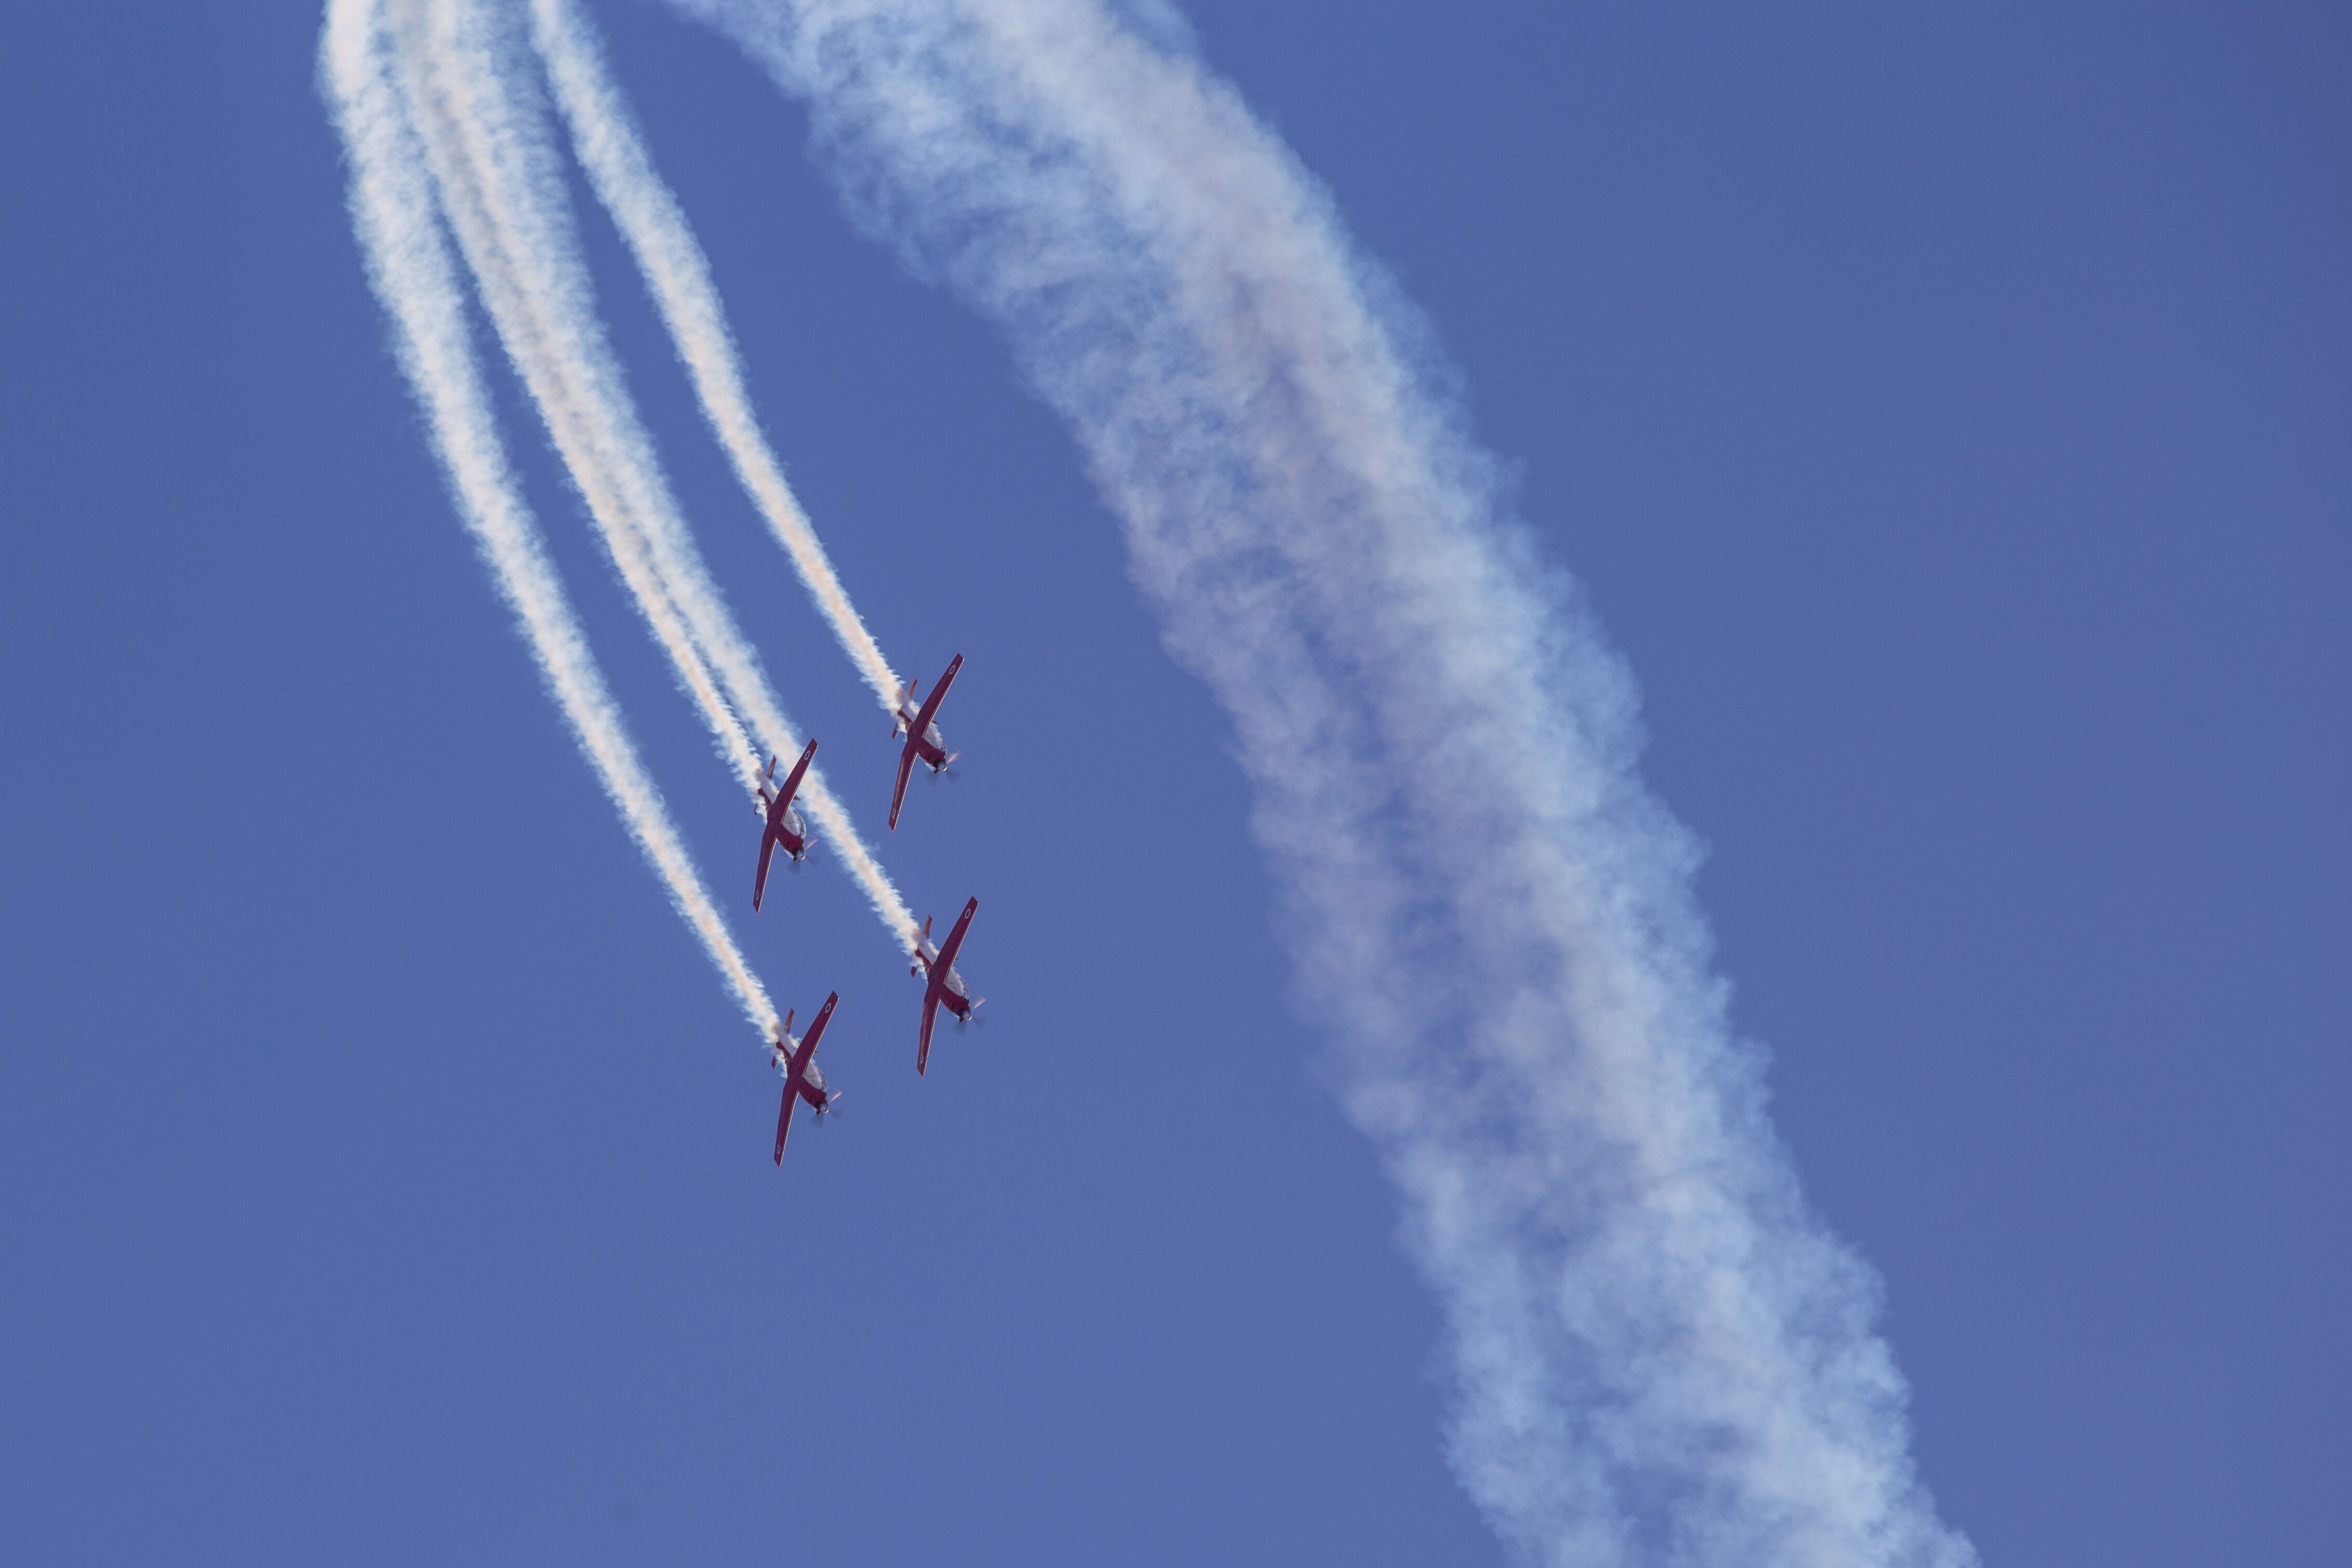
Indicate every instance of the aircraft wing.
{"type": "Point", "coordinates": [817, 1028]}
{"type": "Point", "coordinates": [906, 766]}
{"type": "Point", "coordinates": [931, 703]}
{"type": "Point", "coordinates": [930, 1016]}
{"type": "Point", "coordinates": [767, 853]}
{"type": "Point", "coordinates": [784, 1117]}
{"type": "Point", "coordinates": [792, 779]}
{"type": "Point", "coordinates": [944, 964]}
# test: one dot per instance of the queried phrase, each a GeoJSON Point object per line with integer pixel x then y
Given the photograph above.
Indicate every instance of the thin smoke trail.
{"type": "Point", "coordinates": [621, 170]}
{"type": "Point", "coordinates": [1660, 1354]}
{"type": "Point", "coordinates": [463, 200]}
{"type": "Point", "coordinates": [503, 190]}
{"type": "Point", "coordinates": [414, 277]}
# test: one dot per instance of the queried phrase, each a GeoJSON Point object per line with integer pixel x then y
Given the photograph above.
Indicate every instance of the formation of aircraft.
{"type": "Point", "coordinates": [782, 825]}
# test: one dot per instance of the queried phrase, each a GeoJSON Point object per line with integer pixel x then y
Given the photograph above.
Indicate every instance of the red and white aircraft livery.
{"type": "Point", "coordinates": [784, 825]}
{"type": "Point", "coordinates": [922, 735]}
{"type": "Point", "coordinates": [946, 985]}
{"type": "Point", "coordinates": [802, 1080]}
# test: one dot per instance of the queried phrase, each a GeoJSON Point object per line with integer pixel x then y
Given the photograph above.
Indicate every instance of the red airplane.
{"type": "Point", "coordinates": [784, 825]}
{"type": "Point", "coordinates": [946, 985]}
{"type": "Point", "coordinates": [802, 1080]}
{"type": "Point", "coordinates": [922, 735]}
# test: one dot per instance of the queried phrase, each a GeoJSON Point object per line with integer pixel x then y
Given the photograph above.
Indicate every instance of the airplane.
{"type": "Point", "coordinates": [946, 985]}
{"type": "Point", "coordinates": [803, 1079]}
{"type": "Point", "coordinates": [784, 825]}
{"type": "Point", "coordinates": [922, 735]}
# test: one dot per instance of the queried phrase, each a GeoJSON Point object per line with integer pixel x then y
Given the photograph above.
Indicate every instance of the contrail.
{"type": "Point", "coordinates": [1660, 1354]}
{"type": "Point", "coordinates": [413, 275]}
{"type": "Point", "coordinates": [621, 170]}
{"type": "Point", "coordinates": [502, 190]}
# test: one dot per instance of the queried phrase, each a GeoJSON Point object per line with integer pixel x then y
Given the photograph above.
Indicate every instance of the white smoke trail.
{"type": "Point", "coordinates": [463, 200]}
{"type": "Point", "coordinates": [502, 189]}
{"type": "Point", "coordinates": [604, 134]}
{"type": "Point", "coordinates": [1662, 1355]}
{"type": "Point", "coordinates": [413, 275]}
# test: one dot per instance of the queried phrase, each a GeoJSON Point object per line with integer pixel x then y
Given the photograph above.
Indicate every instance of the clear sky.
{"type": "Point", "coordinates": [1950, 411]}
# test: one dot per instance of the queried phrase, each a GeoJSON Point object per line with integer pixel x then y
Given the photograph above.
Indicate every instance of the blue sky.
{"type": "Point", "coordinates": [1946, 412]}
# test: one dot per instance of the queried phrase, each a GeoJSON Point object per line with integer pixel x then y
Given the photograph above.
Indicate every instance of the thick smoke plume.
{"type": "Point", "coordinates": [1661, 1355]}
